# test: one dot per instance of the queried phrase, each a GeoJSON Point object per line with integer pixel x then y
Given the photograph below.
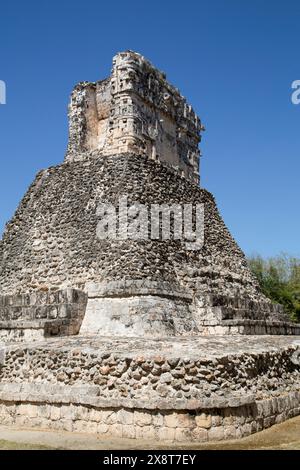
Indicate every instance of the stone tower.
{"type": "Point", "coordinates": [136, 336]}
{"type": "Point", "coordinates": [136, 111]}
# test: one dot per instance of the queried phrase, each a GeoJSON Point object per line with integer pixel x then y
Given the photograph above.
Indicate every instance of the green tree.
{"type": "Point", "coordinates": [279, 279]}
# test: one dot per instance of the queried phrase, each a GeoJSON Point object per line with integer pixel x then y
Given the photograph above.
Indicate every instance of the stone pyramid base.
{"type": "Point", "coordinates": [174, 389]}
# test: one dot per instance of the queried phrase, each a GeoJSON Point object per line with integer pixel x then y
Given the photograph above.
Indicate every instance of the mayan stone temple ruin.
{"type": "Point", "coordinates": [135, 337]}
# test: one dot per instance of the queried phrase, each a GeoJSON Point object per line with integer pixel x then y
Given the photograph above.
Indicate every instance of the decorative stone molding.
{"type": "Point", "coordinates": [28, 317]}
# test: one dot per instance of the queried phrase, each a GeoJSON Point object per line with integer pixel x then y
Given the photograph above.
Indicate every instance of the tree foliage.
{"type": "Point", "coordinates": [279, 279]}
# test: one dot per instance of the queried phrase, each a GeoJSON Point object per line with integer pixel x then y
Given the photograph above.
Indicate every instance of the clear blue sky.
{"type": "Point", "coordinates": [234, 60]}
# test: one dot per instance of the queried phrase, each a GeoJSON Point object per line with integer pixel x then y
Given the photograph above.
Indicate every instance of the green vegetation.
{"type": "Point", "coordinates": [279, 278]}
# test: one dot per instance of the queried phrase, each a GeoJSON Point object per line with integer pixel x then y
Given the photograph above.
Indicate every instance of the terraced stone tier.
{"type": "Point", "coordinates": [196, 381]}
{"type": "Point", "coordinates": [52, 244]}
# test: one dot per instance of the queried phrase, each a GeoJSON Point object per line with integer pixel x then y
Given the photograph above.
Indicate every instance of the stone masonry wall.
{"type": "Point", "coordinates": [32, 316]}
{"type": "Point", "coordinates": [183, 390]}
{"type": "Point", "coordinates": [51, 242]}
{"type": "Point", "coordinates": [187, 372]}
{"type": "Point", "coordinates": [169, 426]}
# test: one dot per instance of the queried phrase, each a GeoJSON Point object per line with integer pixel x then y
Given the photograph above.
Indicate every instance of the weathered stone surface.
{"type": "Point", "coordinates": [132, 362]}
{"type": "Point", "coordinates": [135, 110]}
{"type": "Point", "coordinates": [135, 287]}
{"type": "Point", "coordinates": [80, 418]}
{"type": "Point", "coordinates": [215, 374]}
{"type": "Point", "coordinates": [203, 421]}
{"type": "Point", "coordinates": [29, 317]}
{"type": "Point", "coordinates": [192, 291]}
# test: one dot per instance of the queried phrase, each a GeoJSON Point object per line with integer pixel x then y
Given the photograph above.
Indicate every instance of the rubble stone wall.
{"type": "Point", "coordinates": [149, 372]}
{"type": "Point", "coordinates": [51, 241]}
{"type": "Point", "coordinates": [183, 390]}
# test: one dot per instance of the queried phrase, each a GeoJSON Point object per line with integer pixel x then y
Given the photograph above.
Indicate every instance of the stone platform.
{"type": "Point", "coordinates": [178, 389]}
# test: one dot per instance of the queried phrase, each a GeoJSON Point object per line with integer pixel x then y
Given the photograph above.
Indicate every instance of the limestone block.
{"type": "Point", "coordinates": [55, 413]}
{"type": "Point", "coordinates": [203, 421]}
{"type": "Point", "coordinates": [142, 418]}
{"type": "Point", "coordinates": [157, 419]}
{"type": "Point", "coordinates": [67, 425]}
{"type": "Point", "coordinates": [66, 412]}
{"type": "Point", "coordinates": [95, 415]}
{"type": "Point", "coordinates": [81, 426]}
{"type": "Point", "coordinates": [115, 430]}
{"type": "Point", "coordinates": [246, 429]}
{"type": "Point", "coordinates": [129, 431]}
{"type": "Point", "coordinates": [216, 434]}
{"type": "Point", "coordinates": [230, 432]}
{"type": "Point", "coordinates": [171, 420]}
{"type": "Point", "coordinates": [145, 432]}
{"type": "Point", "coordinates": [126, 417]}
{"type": "Point", "coordinates": [109, 417]}
{"type": "Point", "coordinates": [102, 428]}
{"type": "Point", "coordinates": [199, 434]}
{"type": "Point", "coordinates": [166, 434]}
{"type": "Point", "coordinates": [92, 427]}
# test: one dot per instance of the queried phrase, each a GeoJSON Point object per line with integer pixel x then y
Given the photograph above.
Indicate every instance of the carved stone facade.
{"type": "Point", "coordinates": [135, 110]}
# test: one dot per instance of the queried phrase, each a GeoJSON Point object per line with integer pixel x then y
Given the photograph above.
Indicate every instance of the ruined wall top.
{"type": "Point", "coordinates": [136, 111]}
